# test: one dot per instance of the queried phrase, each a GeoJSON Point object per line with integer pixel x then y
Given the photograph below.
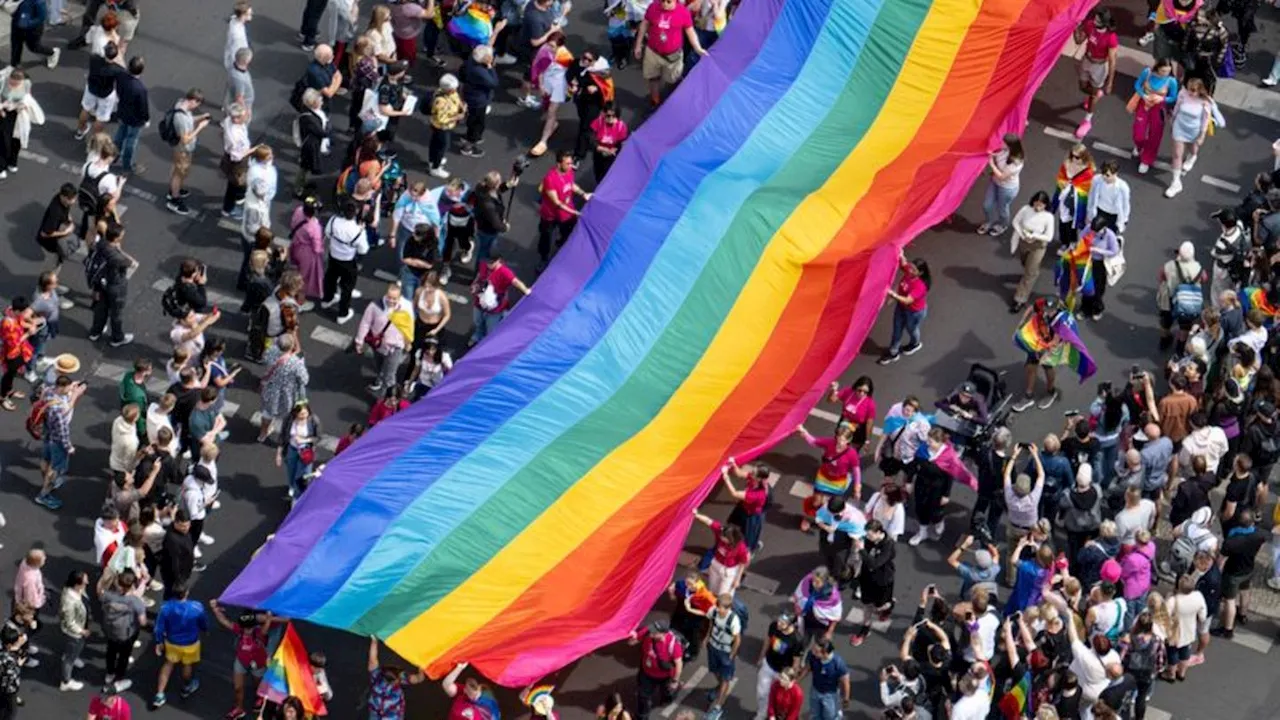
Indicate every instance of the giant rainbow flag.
{"type": "Point", "coordinates": [533, 507]}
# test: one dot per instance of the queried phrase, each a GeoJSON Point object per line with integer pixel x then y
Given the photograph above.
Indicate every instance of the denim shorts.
{"type": "Point", "coordinates": [57, 457]}
{"type": "Point", "coordinates": [720, 663]}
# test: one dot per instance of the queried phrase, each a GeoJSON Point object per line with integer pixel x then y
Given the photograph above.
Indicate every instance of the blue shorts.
{"type": "Point", "coordinates": [57, 457]}
{"type": "Point", "coordinates": [720, 663]}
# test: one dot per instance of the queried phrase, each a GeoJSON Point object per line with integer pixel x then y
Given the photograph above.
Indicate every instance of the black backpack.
{"type": "Point", "coordinates": [95, 268]}
{"type": "Point", "coordinates": [172, 304]}
{"type": "Point", "coordinates": [88, 195]}
{"type": "Point", "coordinates": [168, 130]}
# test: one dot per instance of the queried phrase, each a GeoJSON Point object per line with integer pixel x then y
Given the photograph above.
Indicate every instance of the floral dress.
{"type": "Point", "coordinates": [284, 384]}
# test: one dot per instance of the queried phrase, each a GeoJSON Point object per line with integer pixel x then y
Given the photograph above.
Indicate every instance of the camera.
{"type": "Point", "coordinates": [979, 530]}
{"type": "Point", "coordinates": [519, 165]}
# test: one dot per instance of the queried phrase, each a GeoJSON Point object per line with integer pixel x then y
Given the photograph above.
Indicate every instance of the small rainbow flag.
{"type": "Point", "coordinates": [538, 698]}
{"type": "Point", "coordinates": [1013, 706]}
{"type": "Point", "coordinates": [1255, 298]}
{"type": "Point", "coordinates": [290, 673]}
{"type": "Point", "coordinates": [1056, 343]}
{"type": "Point", "coordinates": [1077, 194]}
{"type": "Point", "coordinates": [1074, 272]}
{"type": "Point", "coordinates": [472, 26]}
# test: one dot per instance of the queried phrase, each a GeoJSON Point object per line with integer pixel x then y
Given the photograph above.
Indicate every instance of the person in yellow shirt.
{"type": "Point", "coordinates": [447, 110]}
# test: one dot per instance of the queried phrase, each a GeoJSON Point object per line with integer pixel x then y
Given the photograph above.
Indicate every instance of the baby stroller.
{"type": "Point", "coordinates": [968, 435]}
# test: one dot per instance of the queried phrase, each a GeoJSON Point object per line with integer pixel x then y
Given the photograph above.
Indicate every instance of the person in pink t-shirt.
{"type": "Point", "coordinates": [857, 408]}
{"type": "Point", "coordinates": [1098, 64]}
{"type": "Point", "coordinates": [108, 705]}
{"type": "Point", "coordinates": [556, 213]}
{"type": "Point", "coordinates": [910, 308]}
{"type": "Point", "coordinates": [660, 45]}
{"type": "Point", "coordinates": [610, 132]}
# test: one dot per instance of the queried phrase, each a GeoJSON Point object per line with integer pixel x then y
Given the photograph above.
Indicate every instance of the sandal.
{"type": "Point", "coordinates": [7, 404]}
{"type": "Point", "coordinates": [983, 229]}
{"type": "Point", "coordinates": [17, 394]}
{"type": "Point", "coordinates": [538, 150]}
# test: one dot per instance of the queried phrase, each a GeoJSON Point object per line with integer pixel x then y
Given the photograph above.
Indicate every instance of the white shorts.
{"type": "Point", "coordinates": [100, 108]}
{"type": "Point", "coordinates": [555, 86]}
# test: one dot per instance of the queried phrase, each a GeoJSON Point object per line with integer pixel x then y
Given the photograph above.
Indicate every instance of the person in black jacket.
{"type": "Point", "coordinates": [312, 136]}
{"type": "Point", "coordinates": [133, 112]}
{"type": "Point", "coordinates": [99, 101]}
{"type": "Point", "coordinates": [875, 580]}
{"type": "Point", "coordinates": [490, 212]}
{"type": "Point", "coordinates": [479, 80]}
{"type": "Point", "coordinates": [592, 85]}
{"type": "Point", "coordinates": [190, 286]}
{"type": "Point", "coordinates": [177, 554]}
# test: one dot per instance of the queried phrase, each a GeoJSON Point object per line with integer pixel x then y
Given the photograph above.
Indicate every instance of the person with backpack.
{"type": "Point", "coordinates": [97, 185]}
{"type": "Point", "coordinates": [1230, 254]}
{"type": "Point", "coordinates": [662, 653]}
{"type": "Point", "coordinates": [722, 650]}
{"type": "Point", "coordinates": [1181, 276]}
{"type": "Point", "coordinates": [493, 282]}
{"type": "Point", "coordinates": [50, 422]}
{"type": "Point", "coordinates": [1261, 443]}
{"type": "Point", "coordinates": [179, 129]}
{"type": "Point", "coordinates": [123, 616]}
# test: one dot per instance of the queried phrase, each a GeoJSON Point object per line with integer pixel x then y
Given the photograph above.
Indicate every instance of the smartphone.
{"type": "Point", "coordinates": [931, 588]}
{"type": "Point", "coordinates": [1071, 413]}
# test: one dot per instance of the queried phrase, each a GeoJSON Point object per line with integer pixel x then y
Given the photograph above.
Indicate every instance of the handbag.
{"type": "Point", "coordinates": [374, 342]}
{"type": "Point", "coordinates": [307, 454]}
{"type": "Point", "coordinates": [1131, 107]}
{"type": "Point", "coordinates": [1115, 264]}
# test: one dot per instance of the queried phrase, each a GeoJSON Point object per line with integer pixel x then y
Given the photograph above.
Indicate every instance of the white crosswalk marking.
{"type": "Point", "coordinates": [824, 415]}
{"type": "Point", "coordinates": [1252, 640]}
{"type": "Point", "coordinates": [1111, 149]}
{"type": "Point", "coordinates": [156, 385]}
{"type": "Point", "coordinates": [688, 687]}
{"type": "Point", "coordinates": [229, 409]}
{"type": "Point", "coordinates": [328, 443]}
{"type": "Point", "coordinates": [391, 277]}
{"type": "Point", "coordinates": [801, 489]}
{"type": "Point", "coordinates": [216, 297]}
{"type": "Point", "coordinates": [1157, 714]}
{"type": "Point", "coordinates": [1054, 132]}
{"type": "Point", "coordinates": [333, 338]}
{"type": "Point", "coordinates": [1220, 184]}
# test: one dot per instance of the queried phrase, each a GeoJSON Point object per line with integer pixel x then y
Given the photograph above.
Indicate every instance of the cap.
{"type": "Point", "coordinates": [968, 387]}
{"type": "Point", "coordinates": [448, 81]}
{"type": "Point", "coordinates": [1266, 408]}
{"type": "Point", "coordinates": [67, 364]}
{"type": "Point", "coordinates": [398, 67]}
{"type": "Point", "coordinates": [1022, 485]}
{"type": "Point", "coordinates": [1110, 570]}
{"type": "Point", "coordinates": [1234, 393]}
{"type": "Point", "coordinates": [983, 558]}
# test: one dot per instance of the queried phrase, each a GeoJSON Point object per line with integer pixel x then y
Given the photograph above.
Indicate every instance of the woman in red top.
{"type": "Point", "coordinates": [839, 469]}
{"type": "Point", "coordinates": [857, 409]}
{"type": "Point", "coordinates": [390, 404]}
{"type": "Point", "coordinates": [785, 697]}
{"type": "Point", "coordinates": [748, 514]}
{"type": "Point", "coordinates": [910, 309]}
{"type": "Point", "coordinates": [16, 330]}
{"type": "Point", "coordinates": [730, 559]}
{"type": "Point", "coordinates": [610, 133]}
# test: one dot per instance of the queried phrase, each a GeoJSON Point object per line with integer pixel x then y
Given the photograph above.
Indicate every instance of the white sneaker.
{"type": "Point", "coordinates": [71, 685]}
{"type": "Point", "coordinates": [217, 505]}
{"type": "Point", "coordinates": [78, 664]}
{"type": "Point", "coordinates": [124, 684]}
{"type": "Point", "coordinates": [206, 539]}
{"type": "Point", "coordinates": [935, 530]}
{"type": "Point", "coordinates": [1146, 39]}
{"type": "Point", "coordinates": [438, 172]}
{"type": "Point", "coordinates": [505, 59]}
{"type": "Point", "coordinates": [1273, 583]}
{"type": "Point", "coordinates": [329, 303]}
{"type": "Point", "coordinates": [1174, 188]}
{"type": "Point", "coordinates": [31, 664]}
{"type": "Point", "coordinates": [155, 586]}
{"type": "Point", "coordinates": [1270, 81]}
{"type": "Point", "coordinates": [66, 304]}
{"type": "Point", "coordinates": [198, 553]}
{"type": "Point", "coordinates": [356, 294]}
{"type": "Point", "coordinates": [346, 318]}
{"type": "Point", "coordinates": [1189, 163]}
{"type": "Point", "coordinates": [1143, 168]}
{"type": "Point", "coordinates": [919, 537]}
{"type": "Point", "coordinates": [52, 62]}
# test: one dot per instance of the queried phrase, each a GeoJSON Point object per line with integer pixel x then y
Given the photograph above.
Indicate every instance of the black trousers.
{"type": "Point", "coordinates": [32, 38]}
{"type": "Point", "coordinates": [475, 122]}
{"type": "Point", "coordinates": [586, 137]}
{"type": "Point", "coordinates": [1092, 304]}
{"type": "Point", "coordinates": [118, 652]}
{"type": "Point", "coordinates": [108, 305]}
{"type": "Point", "coordinates": [437, 146]}
{"type": "Point", "coordinates": [10, 146]}
{"type": "Point", "coordinates": [232, 195]}
{"type": "Point", "coordinates": [600, 164]}
{"type": "Point", "coordinates": [649, 692]}
{"type": "Point", "coordinates": [545, 230]}
{"type": "Point", "coordinates": [311, 14]}
{"type": "Point", "coordinates": [12, 366]}
{"type": "Point", "coordinates": [340, 275]}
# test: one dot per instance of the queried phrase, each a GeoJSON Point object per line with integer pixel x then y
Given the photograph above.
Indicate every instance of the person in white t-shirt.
{"type": "Point", "coordinates": [975, 696]}
{"type": "Point", "coordinates": [1005, 166]}
{"type": "Point", "coordinates": [1188, 610]}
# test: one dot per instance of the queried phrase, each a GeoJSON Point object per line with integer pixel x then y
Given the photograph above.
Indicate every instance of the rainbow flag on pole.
{"type": "Point", "coordinates": [1056, 343]}
{"type": "Point", "coordinates": [290, 673]}
{"type": "Point", "coordinates": [727, 270]}
{"type": "Point", "coordinates": [1255, 298]}
{"type": "Point", "coordinates": [472, 26]}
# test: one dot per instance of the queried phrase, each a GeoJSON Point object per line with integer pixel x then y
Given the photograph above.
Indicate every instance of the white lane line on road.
{"type": "Point", "coordinates": [390, 277]}
{"type": "Point", "coordinates": [1162, 166]}
{"type": "Point", "coordinates": [1060, 134]}
{"type": "Point", "coordinates": [229, 409]}
{"type": "Point", "coordinates": [1252, 640]}
{"type": "Point", "coordinates": [1112, 150]}
{"type": "Point", "coordinates": [698, 675]}
{"type": "Point", "coordinates": [1157, 714]}
{"type": "Point", "coordinates": [329, 443]}
{"type": "Point", "coordinates": [801, 489]}
{"type": "Point", "coordinates": [115, 373]}
{"type": "Point", "coordinates": [34, 157]}
{"type": "Point", "coordinates": [824, 415]}
{"type": "Point", "coordinates": [761, 584]}
{"type": "Point", "coordinates": [1221, 184]}
{"type": "Point", "coordinates": [332, 338]}
{"type": "Point", "coordinates": [1229, 93]}
{"type": "Point", "coordinates": [229, 224]}
{"type": "Point", "coordinates": [215, 297]}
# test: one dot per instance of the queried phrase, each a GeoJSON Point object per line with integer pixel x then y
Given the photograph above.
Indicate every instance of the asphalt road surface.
{"type": "Point", "coordinates": [968, 322]}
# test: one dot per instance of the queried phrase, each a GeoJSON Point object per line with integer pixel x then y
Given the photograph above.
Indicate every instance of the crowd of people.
{"type": "Point", "coordinates": [1064, 605]}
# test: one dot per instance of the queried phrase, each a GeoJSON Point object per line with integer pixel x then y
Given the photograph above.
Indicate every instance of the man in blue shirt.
{"type": "Point", "coordinates": [830, 693]}
{"type": "Point", "coordinates": [133, 111]}
{"type": "Point", "coordinates": [179, 626]}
